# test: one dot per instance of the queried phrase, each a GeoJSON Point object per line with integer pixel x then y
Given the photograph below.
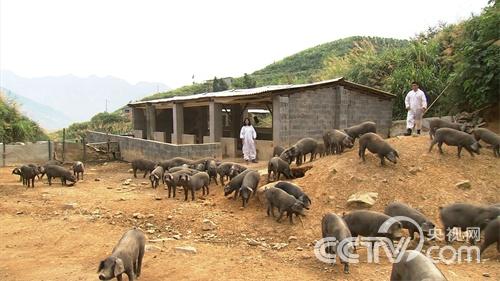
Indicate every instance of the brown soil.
{"type": "Point", "coordinates": [40, 240]}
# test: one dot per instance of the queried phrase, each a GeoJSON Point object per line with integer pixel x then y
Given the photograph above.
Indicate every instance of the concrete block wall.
{"type": "Point", "coordinates": [310, 113]}
{"type": "Point", "coordinates": [37, 153]}
{"type": "Point", "coordinates": [365, 107]}
{"type": "Point", "coordinates": [133, 148]}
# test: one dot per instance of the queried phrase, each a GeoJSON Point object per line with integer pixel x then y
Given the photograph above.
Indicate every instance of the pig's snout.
{"type": "Point", "coordinates": [102, 277]}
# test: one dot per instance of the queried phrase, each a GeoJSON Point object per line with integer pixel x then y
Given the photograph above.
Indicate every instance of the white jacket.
{"type": "Point", "coordinates": [415, 101]}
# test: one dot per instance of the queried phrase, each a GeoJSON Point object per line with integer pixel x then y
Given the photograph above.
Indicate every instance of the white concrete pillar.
{"type": "Point", "coordinates": [215, 121]}
{"type": "Point", "coordinates": [178, 122]}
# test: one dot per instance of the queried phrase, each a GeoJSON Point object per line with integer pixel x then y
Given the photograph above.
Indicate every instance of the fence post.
{"type": "Point", "coordinates": [84, 149]}
{"type": "Point", "coordinates": [3, 154]}
{"type": "Point", "coordinates": [50, 150]}
{"type": "Point", "coordinates": [64, 143]}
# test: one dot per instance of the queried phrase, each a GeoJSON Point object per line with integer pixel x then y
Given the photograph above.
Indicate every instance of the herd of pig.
{"type": "Point", "coordinates": [290, 199]}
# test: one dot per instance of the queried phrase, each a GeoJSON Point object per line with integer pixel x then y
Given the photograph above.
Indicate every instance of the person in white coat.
{"type": "Point", "coordinates": [416, 104]}
{"type": "Point", "coordinates": [248, 136]}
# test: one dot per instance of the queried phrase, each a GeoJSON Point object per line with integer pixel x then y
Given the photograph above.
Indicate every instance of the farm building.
{"type": "Point", "coordinates": [281, 114]}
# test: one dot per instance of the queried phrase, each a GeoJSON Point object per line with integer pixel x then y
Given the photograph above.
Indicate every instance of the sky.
{"type": "Point", "coordinates": [169, 41]}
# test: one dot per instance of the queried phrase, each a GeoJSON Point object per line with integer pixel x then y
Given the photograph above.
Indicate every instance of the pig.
{"type": "Point", "coordinates": [78, 169]}
{"type": "Point", "coordinates": [336, 141]}
{"type": "Point", "coordinates": [488, 137]}
{"type": "Point", "coordinates": [177, 161]}
{"type": "Point", "coordinates": [367, 224]}
{"type": "Point", "coordinates": [261, 191]}
{"type": "Point", "coordinates": [465, 215]}
{"type": "Point", "coordinates": [357, 131]}
{"type": "Point", "coordinates": [249, 186]}
{"type": "Point", "coordinates": [194, 183]}
{"type": "Point", "coordinates": [277, 150]}
{"type": "Point", "coordinates": [320, 150]}
{"type": "Point", "coordinates": [29, 173]}
{"type": "Point", "coordinates": [143, 165]}
{"type": "Point", "coordinates": [126, 257]}
{"type": "Point", "coordinates": [399, 209]}
{"type": "Point", "coordinates": [299, 150]}
{"type": "Point", "coordinates": [171, 179]}
{"type": "Point", "coordinates": [295, 191]}
{"type": "Point", "coordinates": [211, 169]}
{"type": "Point", "coordinates": [278, 166]}
{"type": "Point", "coordinates": [334, 226]}
{"type": "Point", "coordinates": [491, 235]}
{"type": "Point", "coordinates": [54, 171]}
{"type": "Point", "coordinates": [418, 268]}
{"type": "Point", "coordinates": [435, 124]}
{"type": "Point", "coordinates": [17, 171]}
{"type": "Point", "coordinates": [375, 144]}
{"type": "Point", "coordinates": [234, 184]}
{"type": "Point", "coordinates": [235, 170]}
{"type": "Point", "coordinates": [285, 202]}
{"type": "Point", "coordinates": [455, 138]}
{"type": "Point", "coordinates": [156, 175]}
{"type": "Point", "coordinates": [223, 170]}
{"type": "Point", "coordinates": [183, 168]}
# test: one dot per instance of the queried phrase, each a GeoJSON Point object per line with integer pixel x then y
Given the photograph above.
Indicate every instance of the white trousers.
{"type": "Point", "coordinates": [414, 119]}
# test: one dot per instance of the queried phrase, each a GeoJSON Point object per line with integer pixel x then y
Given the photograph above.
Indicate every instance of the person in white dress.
{"type": "Point", "coordinates": [248, 136]}
{"type": "Point", "coordinates": [416, 104]}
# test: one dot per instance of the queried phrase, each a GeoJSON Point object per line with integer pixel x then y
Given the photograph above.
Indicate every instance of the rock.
{"type": "Point", "coordinates": [331, 198]}
{"type": "Point", "coordinates": [153, 248]}
{"type": "Point", "coordinates": [385, 181]}
{"type": "Point", "coordinates": [465, 184]}
{"type": "Point", "coordinates": [279, 246]}
{"type": "Point", "coordinates": [69, 206]}
{"type": "Point", "coordinates": [186, 249]}
{"type": "Point", "coordinates": [97, 179]}
{"type": "Point", "coordinates": [368, 198]}
{"type": "Point", "coordinates": [96, 212]}
{"type": "Point", "coordinates": [177, 237]}
{"type": "Point", "coordinates": [127, 182]}
{"type": "Point", "coordinates": [253, 242]}
{"type": "Point", "coordinates": [109, 187]}
{"type": "Point", "coordinates": [138, 215]}
{"type": "Point", "coordinates": [150, 231]}
{"type": "Point", "coordinates": [208, 225]}
{"type": "Point", "coordinates": [158, 198]}
{"type": "Point", "coordinates": [144, 183]}
{"type": "Point", "coordinates": [19, 212]}
{"type": "Point", "coordinates": [486, 274]}
{"type": "Point", "coordinates": [356, 179]}
{"type": "Point", "coordinates": [299, 249]}
{"type": "Point", "coordinates": [333, 171]}
{"type": "Point", "coordinates": [149, 225]}
{"type": "Point", "coordinates": [105, 164]}
{"type": "Point", "coordinates": [131, 170]}
{"type": "Point", "coordinates": [170, 217]}
{"type": "Point", "coordinates": [414, 170]}
{"type": "Point", "coordinates": [292, 238]}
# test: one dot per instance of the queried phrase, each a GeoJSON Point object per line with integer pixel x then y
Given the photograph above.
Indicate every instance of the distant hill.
{"type": "Point", "coordinates": [77, 98]}
{"type": "Point", "coordinates": [304, 67]}
{"type": "Point", "coordinates": [46, 116]}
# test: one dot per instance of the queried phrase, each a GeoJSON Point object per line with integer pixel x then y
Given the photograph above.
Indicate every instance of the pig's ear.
{"type": "Point", "coordinates": [101, 266]}
{"type": "Point", "coordinates": [119, 267]}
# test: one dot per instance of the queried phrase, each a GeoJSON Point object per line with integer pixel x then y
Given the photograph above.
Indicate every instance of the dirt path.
{"type": "Point", "coordinates": [61, 233]}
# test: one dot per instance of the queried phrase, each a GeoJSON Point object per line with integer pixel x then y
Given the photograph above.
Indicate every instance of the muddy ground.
{"type": "Point", "coordinates": [61, 233]}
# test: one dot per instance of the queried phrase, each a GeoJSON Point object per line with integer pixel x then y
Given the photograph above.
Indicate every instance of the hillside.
{"type": "Point", "coordinates": [303, 67]}
{"type": "Point", "coordinates": [48, 117]}
{"type": "Point", "coordinates": [14, 126]}
{"type": "Point", "coordinates": [78, 97]}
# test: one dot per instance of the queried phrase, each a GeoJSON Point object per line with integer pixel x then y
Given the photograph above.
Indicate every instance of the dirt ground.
{"type": "Point", "coordinates": [44, 238]}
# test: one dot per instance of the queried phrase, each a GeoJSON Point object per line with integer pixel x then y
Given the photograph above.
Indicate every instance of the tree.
{"type": "Point", "coordinates": [219, 85]}
{"type": "Point", "coordinates": [248, 82]}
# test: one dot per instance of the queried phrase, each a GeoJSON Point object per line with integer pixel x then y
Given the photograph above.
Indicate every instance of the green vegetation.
{"type": "Point", "coordinates": [113, 123]}
{"type": "Point", "coordinates": [15, 127]}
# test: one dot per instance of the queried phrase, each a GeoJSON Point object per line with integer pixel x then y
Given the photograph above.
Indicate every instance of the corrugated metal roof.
{"type": "Point", "coordinates": [255, 91]}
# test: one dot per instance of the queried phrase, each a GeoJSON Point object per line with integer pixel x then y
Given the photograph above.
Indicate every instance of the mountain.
{"type": "Point", "coordinates": [76, 97]}
{"type": "Point", "coordinates": [46, 116]}
{"type": "Point", "coordinates": [303, 67]}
